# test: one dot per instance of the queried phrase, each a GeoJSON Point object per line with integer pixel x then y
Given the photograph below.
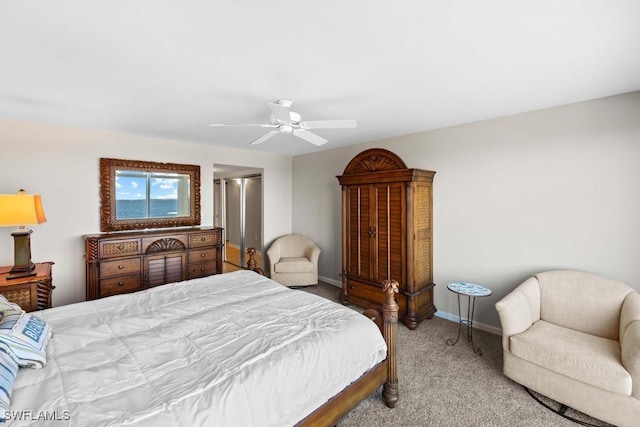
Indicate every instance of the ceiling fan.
{"type": "Point", "coordinates": [285, 121]}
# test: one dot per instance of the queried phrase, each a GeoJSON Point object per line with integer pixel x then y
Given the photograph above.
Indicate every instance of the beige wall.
{"type": "Point", "coordinates": [61, 163]}
{"type": "Point", "coordinates": [512, 196]}
{"type": "Point", "coordinates": [555, 188]}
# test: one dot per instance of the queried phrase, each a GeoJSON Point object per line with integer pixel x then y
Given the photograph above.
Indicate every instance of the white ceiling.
{"type": "Point", "coordinates": [168, 68]}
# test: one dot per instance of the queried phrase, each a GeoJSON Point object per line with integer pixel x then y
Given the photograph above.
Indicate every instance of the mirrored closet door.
{"type": "Point", "coordinates": [238, 209]}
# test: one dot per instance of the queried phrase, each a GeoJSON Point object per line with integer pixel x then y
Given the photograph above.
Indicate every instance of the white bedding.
{"type": "Point", "coordinates": [228, 350]}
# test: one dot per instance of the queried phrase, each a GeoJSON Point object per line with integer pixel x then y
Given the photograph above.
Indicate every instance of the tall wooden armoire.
{"type": "Point", "coordinates": [387, 233]}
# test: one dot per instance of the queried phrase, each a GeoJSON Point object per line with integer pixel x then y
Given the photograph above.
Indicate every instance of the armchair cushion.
{"type": "Point", "coordinates": [293, 265]}
{"type": "Point", "coordinates": [562, 350]}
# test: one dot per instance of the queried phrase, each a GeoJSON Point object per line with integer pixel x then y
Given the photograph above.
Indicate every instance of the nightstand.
{"type": "Point", "coordinates": [31, 292]}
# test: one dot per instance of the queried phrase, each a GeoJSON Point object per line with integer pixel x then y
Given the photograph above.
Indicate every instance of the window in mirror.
{"type": "Point", "coordinates": [151, 195]}
{"type": "Point", "coordinates": [138, 195]}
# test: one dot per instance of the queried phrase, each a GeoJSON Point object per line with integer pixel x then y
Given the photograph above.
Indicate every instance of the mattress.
{"type": "Point", "coordinates": [233, 349]}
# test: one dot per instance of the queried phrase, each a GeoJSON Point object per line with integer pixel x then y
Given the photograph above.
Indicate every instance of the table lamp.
{"type": "Point", "coordinates": [21, 210]}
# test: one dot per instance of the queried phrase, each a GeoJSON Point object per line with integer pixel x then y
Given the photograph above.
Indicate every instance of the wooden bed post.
{"type": "Point", "coordinates": [251, 263]}
{"type": "Point", "coordinates": [390, 332]}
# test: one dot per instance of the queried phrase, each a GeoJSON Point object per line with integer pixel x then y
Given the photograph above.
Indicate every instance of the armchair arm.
{"type": "Point", "coordinates": [274, 254]}
{"type": "Point", "coordinates": [630, 340]}
{"type": "Point", "coordinates": [312, 253]}
{"type": "Point", "coordinates": [630, 355]}
{"type": "Point", "coordinates": [519, 309]}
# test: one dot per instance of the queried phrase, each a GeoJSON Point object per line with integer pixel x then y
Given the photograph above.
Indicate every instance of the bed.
{"type": "Point", "coordinates": [228, 349]}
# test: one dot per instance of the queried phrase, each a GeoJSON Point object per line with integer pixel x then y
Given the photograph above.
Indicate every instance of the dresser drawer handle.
{"type": "Point", "coordinates": [352, 287]}
{"type": "Point", "coordinates": [202, 268]}
{"type": "Point", "coordinates": [120, 247]}
{"type": "Point", "coordinates": [203, 255]}
{"type": "Point", "coordinates": [120, 283]}
{"type": "Point", "coordinates": [202, 239]}
{"type": "Point", "coordinates": [121, 267]}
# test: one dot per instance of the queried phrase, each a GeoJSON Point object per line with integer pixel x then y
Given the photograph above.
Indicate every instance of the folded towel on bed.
{"type": "Point", "coordinates": [23, 343]}
{"type": "Point", "coordinates": [8, 371]}
{"type": "Point", "coordinates": [23, 336]}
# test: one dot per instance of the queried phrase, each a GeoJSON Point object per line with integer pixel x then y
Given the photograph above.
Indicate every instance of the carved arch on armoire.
{"type": "Point", "coordinates": [374, 160]}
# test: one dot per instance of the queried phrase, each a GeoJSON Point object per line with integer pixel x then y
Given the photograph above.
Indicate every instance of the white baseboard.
{"type": "Point", "coordinates": [481, 326]}
{"type": "Point", "coordinates": [441, 314]}
{"type": "Point", "coordinates": [333, 282]}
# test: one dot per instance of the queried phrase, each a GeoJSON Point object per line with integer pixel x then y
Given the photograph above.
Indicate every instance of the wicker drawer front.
{"type": "Point", "coordinates": [201, 255]}
{"type": "Point", "coordinates": [119, 248]}
{"type": "Point", "coordinates": [202, 239]}
{"type": "Point", "coordinates": [201, 270]}
{"type": "Point", "coordinates": [24, 297]}
{"type": "Point", "coordinates": [119, 267]}
{"type": "Point", "coordinates": [120, 285]}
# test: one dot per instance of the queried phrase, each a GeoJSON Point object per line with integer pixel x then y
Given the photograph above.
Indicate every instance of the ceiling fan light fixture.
{"type": "Point", "coordinates": [295, 117]}
{"type": "Point", "coordinates": [284, 103]}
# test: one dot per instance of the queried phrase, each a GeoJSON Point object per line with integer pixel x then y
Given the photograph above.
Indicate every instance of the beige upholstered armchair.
{"type": "Point", "coordinates": [575, 337]}
{"type": "Point", "coordinates": [293, 260]}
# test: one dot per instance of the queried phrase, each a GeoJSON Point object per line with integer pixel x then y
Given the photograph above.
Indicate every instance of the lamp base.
{"type": "Point", "coordinates": [21, 274]}
{"type": "Point", "coordinates": [23, 267]}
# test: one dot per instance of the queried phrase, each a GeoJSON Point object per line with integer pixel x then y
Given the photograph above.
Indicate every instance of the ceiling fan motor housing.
{"type": "Point", "coordinates": [294, 118]}
{"type": "Point", "coordinates": [285, 128]}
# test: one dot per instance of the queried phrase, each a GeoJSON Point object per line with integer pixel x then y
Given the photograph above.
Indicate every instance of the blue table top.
{"type": "Point", "coordinates": [470, 289]}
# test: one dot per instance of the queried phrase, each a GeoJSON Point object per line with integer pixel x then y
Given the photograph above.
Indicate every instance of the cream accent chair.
{"type": "Point", "coordinates": [293, 260]}
{"type": "Point", "coordinates": [575, 337]}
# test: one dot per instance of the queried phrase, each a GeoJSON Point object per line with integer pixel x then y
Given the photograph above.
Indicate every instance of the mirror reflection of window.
{"type": "Point", "coordinates": [142, 194]}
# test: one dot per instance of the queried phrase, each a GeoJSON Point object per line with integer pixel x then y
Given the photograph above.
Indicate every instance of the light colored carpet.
{"type": "Point", "coordinates": [442, 385]}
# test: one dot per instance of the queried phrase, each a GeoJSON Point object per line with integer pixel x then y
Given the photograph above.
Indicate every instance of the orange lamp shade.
{"type": "Point", "coordinates": [21, 209]}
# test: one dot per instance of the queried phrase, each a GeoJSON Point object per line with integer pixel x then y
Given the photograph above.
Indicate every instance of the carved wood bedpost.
{"type": "Point", "coordinates": [390, 331]}
{"type": "Point", "coordinates": [251, 263]}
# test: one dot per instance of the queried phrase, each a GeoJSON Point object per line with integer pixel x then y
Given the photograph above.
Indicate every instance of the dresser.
{"type": "Point", "coordinates": [387, 233]}
{"type": "Point", "coordinates": [124, 262]}
{"type": "Point", "coordinates": [30, 292]}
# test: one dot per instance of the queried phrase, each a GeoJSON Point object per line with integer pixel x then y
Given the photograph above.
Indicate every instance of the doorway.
{"type": "Point", "coordinates": [238, 210]}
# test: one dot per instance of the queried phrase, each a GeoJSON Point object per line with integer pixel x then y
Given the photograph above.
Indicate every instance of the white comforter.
{"type": "Point", "coordinates": [228, 350]}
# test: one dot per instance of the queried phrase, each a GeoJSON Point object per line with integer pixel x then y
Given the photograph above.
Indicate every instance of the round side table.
{"type": "Point", "coordinates": [471, 290]}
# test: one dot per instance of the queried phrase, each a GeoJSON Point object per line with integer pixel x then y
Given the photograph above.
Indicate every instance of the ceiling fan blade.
{"type": "Point", "coordinates": [280, 112]}
{"type": "Point", "coordinates": [309, 137]}
{"type": "Point", "coordinates": [264, 137]}
{"type": "Point", "coordinates": [214, 125]}
{"type": "Point", "coordinates": [329, 124]}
